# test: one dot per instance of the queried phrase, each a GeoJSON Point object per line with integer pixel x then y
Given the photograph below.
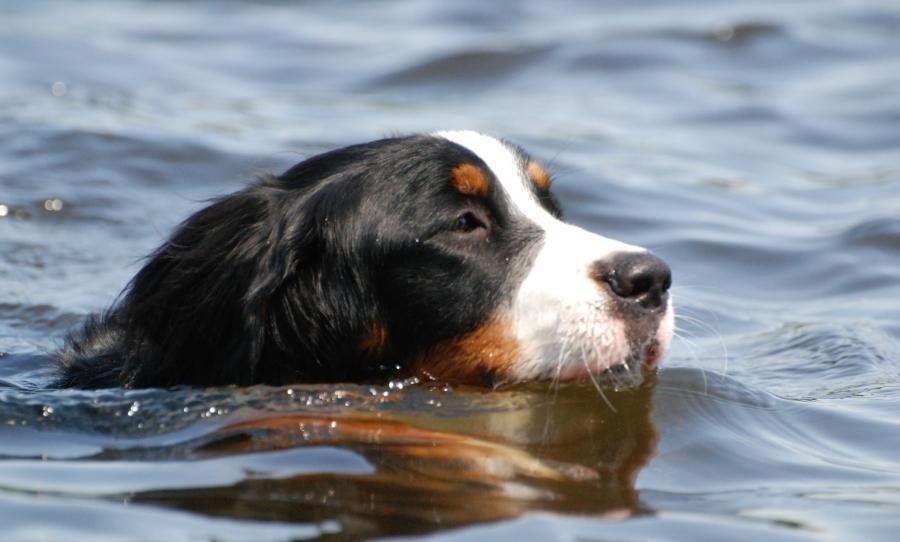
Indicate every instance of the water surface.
{"type": "Point", "coordinates": [753, 145]}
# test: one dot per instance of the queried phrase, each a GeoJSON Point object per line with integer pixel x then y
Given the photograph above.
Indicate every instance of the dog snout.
{"type": "Point", "coordinates": [638, 278]}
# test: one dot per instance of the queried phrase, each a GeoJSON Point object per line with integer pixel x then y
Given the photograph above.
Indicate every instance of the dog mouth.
{"type": "Point", "coordinates": [632, 371]}
{"type": "Point", "coordinates": [628, 371]}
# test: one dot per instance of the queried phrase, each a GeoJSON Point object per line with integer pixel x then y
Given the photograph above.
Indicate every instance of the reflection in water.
{"type": "Point", "coordinates": [529, 449]}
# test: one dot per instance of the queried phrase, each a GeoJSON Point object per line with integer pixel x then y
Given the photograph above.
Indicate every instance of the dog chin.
{"type": "Point", "coordinates": [644, 359]}
{"type": "Point", "coordinates": [610, 357]}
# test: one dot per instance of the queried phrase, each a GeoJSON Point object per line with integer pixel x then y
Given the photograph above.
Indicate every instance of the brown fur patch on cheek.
{"type": "Point", "coordinates": [539, 175]}
{"type": "Point", "coordinates": [375, 342]}
{"type": "Point", "coordinates": [468, 179]}
{"type": "Point", "coordinates": [483, 357]}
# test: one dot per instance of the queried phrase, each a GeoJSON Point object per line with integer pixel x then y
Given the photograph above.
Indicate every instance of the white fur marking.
{"type": "Point", "coordinates": [563, 323]}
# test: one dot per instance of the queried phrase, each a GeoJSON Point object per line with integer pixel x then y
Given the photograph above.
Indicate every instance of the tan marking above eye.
{"type": "Point", "coordinates": [539, 175]}
{"type": "Point", "coordinates": [469, 179]}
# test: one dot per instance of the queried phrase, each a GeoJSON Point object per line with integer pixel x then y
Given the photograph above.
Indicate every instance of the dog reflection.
{"type": "Point", "coordinates": [570, 452]}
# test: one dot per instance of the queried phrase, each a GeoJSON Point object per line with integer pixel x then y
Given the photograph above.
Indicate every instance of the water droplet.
{"type": "Point", "coordinates": [723, 32]}
{"type": "Point", "coordinates": [54, 205]}
{"type": "Point", "coordinates": [58, 88]}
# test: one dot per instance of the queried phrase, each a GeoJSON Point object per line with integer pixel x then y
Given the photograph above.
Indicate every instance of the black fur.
{"type": "Point", "coordinates": [283, 282]}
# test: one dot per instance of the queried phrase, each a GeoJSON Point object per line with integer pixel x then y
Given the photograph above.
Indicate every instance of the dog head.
{"type": "Point", "coordinates": [441, 256]}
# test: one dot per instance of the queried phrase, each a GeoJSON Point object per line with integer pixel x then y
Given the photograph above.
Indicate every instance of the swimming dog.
{"type": "Point", "coordinates": [440, 256]}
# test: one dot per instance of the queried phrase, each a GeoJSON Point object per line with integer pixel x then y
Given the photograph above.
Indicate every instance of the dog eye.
{"type": "Point", "coordinates": [467, 222]}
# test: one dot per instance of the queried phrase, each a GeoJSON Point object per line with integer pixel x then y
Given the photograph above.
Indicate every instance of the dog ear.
{"type": "Point", "coordinates": [198, 307]}
{"type": "Point", "coordinates": [315, 295]}
{"type": "Point", "coordinates": [286, 250]}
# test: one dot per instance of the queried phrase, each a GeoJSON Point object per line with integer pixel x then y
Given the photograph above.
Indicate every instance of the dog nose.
{"type": "Point", "coordinates": [637, 277]}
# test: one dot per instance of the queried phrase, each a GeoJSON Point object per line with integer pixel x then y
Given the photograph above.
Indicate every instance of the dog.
{"type": "Point", "coordinates": [439, 256]}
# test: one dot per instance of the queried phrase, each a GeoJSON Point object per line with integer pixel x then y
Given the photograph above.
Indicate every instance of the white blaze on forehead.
{"type": "Point", "coordinates": [562, 317]}
{"type": "Point", "coordinates": [508, 167]}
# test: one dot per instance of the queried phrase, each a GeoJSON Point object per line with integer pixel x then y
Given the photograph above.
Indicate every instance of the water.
{"type": "Point", "coordinates": [754, 145]}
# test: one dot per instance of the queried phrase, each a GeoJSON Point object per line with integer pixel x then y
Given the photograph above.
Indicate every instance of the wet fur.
{"type": "Point", "coordinates": [283, 282]}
